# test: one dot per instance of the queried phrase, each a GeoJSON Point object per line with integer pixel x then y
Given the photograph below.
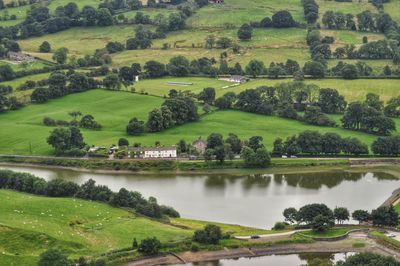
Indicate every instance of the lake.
{"type": "Point", "coordinates": [244, 197]}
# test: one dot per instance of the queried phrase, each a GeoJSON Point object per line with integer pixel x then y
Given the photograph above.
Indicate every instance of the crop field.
{"type": "Point", "coordinates": [24, 133]}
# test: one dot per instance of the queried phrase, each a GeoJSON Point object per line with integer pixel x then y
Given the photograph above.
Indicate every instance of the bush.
{"type": "Point", "coordinates": [150, 246]}
{"type": "Point", "coordinates": [279, 226]}
{"type": "Point", "coordinates": [211, 234]}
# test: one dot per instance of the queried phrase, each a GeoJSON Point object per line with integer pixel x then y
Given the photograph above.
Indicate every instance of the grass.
{"type": "Point", "coordinates": [23, 132]}
{"type": "Point", "coordinates": [112, 110]}
{"type": "Point", "coordinates": [393, 8]}
{"type": "Point", "coordinates": [237, 12]}
{"type": "Point", "coordinates": [354, 7]}
{"type": "Point", "coordinates": [30, 224]}
{"type": "Point", "coordinates": [334, 232]}
{"type": "Point", "coordinates": [352, 90]}
{"type": "Point", "coordinates": [80, 40]}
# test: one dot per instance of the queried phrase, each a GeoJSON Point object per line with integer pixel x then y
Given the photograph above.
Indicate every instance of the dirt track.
{"type": "Point", "coordinates": [330, 247]}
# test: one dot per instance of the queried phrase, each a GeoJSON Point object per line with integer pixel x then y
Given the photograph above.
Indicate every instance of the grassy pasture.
{"type": "Point", "coordinates": [393, 8]}
{"type": "Point", "coordinates": [353, 90]}
{"type": "Point", "coordinates": [19, 12]}
{"type": "Point", "coordinates": [151, 12]}
{"type": "Point", "coordinates": [237, 12]}
{"type": "Point", "coordinates": [23, 132]}
{"type": "Point", "coordinates": [112, 110]}
{"type": "Point", "coordinates": [80, 41]}
{"type": "Point", "coordinates": [343, 37]}
{"type": "Point", "coordinates": [32, 224]}
{"type": "Point", "coordinates": [262, 38]}
{"type": "Point", "coordinates": [267, 55]}
{"type": "Point", "coordinates": [354, 7]}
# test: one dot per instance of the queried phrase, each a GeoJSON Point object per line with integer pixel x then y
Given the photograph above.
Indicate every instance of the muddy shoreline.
{"type": "Point", "coordinates": [343, 246]}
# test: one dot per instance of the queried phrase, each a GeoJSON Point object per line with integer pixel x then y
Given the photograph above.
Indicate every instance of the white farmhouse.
{"type": "Point", "coordinates": [160, 152]}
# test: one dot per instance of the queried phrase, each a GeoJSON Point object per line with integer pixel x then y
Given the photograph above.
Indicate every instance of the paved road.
{"type": "Point", "coordinates": [273, 235]}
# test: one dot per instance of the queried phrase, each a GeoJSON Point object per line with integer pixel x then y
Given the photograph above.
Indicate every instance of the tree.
{"type": "Point", "coordinates": [224, 42]}
{"type": "Point", "coordinates": [104, 17]}
{"type": "Point", "coordinates": [155, 121]}
{"type": "Point", "coordinates": [211, 234]}
{"type": "Point", "coordinates": [135, 244]}
{"type": "Point", "coordinates": [361, 216]}
{"type": "Point", "coordinates": [210, 41]}
{"type": "Point", "coordinates": [332, 143]}
{"type": "Point", "coordinates": [373, 100]}
{"type": "Point", "coordinates": [154, 69]}
{"type": "Point", "coordinates": [150, 246]}
{"type": "Point", "coordinates": [255, 68]}
{"type": "Point", "coordinates": [65, 139]}
{"type": "Point", "coordinates": [330, 101]}
{"type": "Point", "coordinates": [235, 142]}
{"type": "Point", "coordinates": [310, 142]}
{"type": "Point", "coordinates": [385, 216]}
{"type": "Point", "coordinates": [60, 55]}
{"type": "Point", "coordinates": [135, 127]}
{"type": "Point", "coordinates": [45, 47]}
{"type": "Point", "coordinates": [220, 154]}
{"type": "Point", "coordinates": [307, 213]}
{"type": "Point", "coordinates": [278, 149]}
{"type": "Point", "coordinates": [283, 19]}
{"type": "Point", "coordinates": [112, 82]}
{"type": "Point", "coordinates": [176, 21]}
{"type": "Point", "coordinates": [341, 214]}
{"type": "Point", "coordinates": [245, 32]}
{"type": "Point", "coordinates": [207, 95]}
{"type": "Point", "coordinates": [368, 259]}
{"type": "Point", "coordinates": [314, 69]}
{"type": "Point", "coordinates": [178, 66]}
{"type": "Point", "coordinates": [54, 257]}
{"type": "Point", "coordinates": [214, 140]}
{"type": "Point", "coordinates": [290, 215]}
{"type": "Point", "coordinates": [123, 142]}
{"type": "Point", "coordinates": [255, 143]}
{"type": "Point", "coordinates": [89, 15]}
{"type": "Point", "coordinates": [349, 71]}
{"type": "Point", "coordinates": [322, 223]}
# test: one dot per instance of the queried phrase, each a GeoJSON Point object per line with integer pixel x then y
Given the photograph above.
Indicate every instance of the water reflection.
{"type": "Point", "coordinates": [276, 260]}
{"type": "Point", "coordinates": [248, 199]}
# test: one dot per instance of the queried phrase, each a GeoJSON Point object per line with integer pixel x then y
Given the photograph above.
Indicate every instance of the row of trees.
{"type": "Point", "coordinates": [311, 10]}
{"type": "Point", "coordinates": [61, 84]}
{"type": "Point", "coordinates": [24, 182]}
{"type": "Point", "coordinates": [321, 218]}
{"type": "Point", "coordinates": [314, 143]}
{"type": "Point", "coordinates": [87, 121]}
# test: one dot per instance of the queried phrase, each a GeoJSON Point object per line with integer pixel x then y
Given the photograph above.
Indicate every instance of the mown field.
{"type": "Point", "coordinates": [23, 132]}
{"type": "Point", "coordinates": [32, 224]}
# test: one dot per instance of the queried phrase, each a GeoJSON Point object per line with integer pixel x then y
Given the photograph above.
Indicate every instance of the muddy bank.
{"type": "Point", "coordinates": [318, 247]}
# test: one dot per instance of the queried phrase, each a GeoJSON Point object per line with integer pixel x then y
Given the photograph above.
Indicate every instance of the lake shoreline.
{"type": "Point", "coordinates": [342, 246]}
{"type": "Point", "coordinates": [150, 166]}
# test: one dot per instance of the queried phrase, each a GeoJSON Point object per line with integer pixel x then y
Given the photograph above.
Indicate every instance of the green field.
{"type": "Point", "coordinates": [352, 90]}
{"type": "Point", "coordinates": [354, 7]}
{"type": "Point", "coordinates": [237, 12]}
{"type": "Point", "coordinates": [23, 132]}
{"type": "Point", "coordinates": [393, 8]}
{"type": "Point", "coordinates": [334, 232]}
{"type": "Point", "coordinates": [30, 224]}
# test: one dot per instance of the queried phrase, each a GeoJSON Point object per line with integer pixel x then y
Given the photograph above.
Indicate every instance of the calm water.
{"type": "Point", "coordinates": [274, 260]}
{"type": "Point", "coordinates": [247, 199]}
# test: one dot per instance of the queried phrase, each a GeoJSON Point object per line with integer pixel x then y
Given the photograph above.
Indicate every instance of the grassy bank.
{"type": "Point", "coordinates": [161, 165]}
{"type": "Point", "coordinates": [31, 224]}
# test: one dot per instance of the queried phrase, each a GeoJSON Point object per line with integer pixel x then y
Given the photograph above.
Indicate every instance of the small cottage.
{"type": "Point", "coordinates": [200, 145]}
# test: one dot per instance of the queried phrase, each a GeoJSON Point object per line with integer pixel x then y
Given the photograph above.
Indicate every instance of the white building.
{"type": "Point", "coordinates": [160, 152]}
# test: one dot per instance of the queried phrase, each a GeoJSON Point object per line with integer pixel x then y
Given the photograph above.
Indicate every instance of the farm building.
{"type": "Point", "coordinates": [157, 152]}
{"type": "Point", "coordinates": [200, 145]}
